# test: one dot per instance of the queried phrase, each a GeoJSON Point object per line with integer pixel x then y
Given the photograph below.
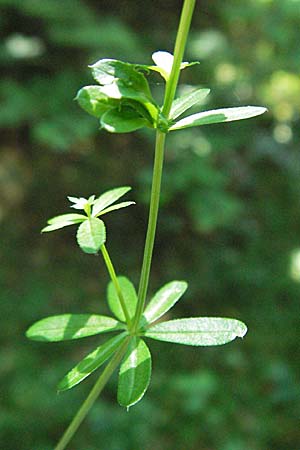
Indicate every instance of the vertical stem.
{"type": "Point", "coordinates": [89, 401]}
{"type": "Point", "coordinates": [152, 222]}
{"type": "Point", "coordinates": [183, 29]}
{"type": "Point", "coordinates": [181, 38]}
{"type": "Point", "coordinates": [115, 281]}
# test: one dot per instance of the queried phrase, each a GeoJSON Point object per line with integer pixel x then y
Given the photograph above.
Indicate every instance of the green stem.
{"type": "Point", "coordinates": [152, 223]}
{"type": "Point", "coordinates": [183, 29]}
{"type": "Point", "coordinates": [89, 401]}
{"type": "Point", "coordinates": [181, 38]}
{"type": "Point", "coordinates": [116, 284]}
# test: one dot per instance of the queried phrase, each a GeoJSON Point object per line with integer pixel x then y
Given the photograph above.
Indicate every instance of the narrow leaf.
{"type": "Point", "coordinates": [135, 373]}
{"type": "Point", "coordinates": [63, 221]}
{"type": "Point", "coordinates": [123, 120]}
{"type": "Point", "coordinates": [108, 198]}
{"type": "Point", "coordinates": [180, 105]}
{"type": "Point", "coordinates": [72, 217]}
{"type": "Point", "coordinates": [217, 116]}
{"type": "Point", "coordinates": [129, 295]}
{"type": "Point", "coordinates": [163, 300]}
{"type": "Point", "coordinates": [91, 362]}
{"type": "Point", "coordinates": [91, 235]}
{"type": "Point", "coordinates": [94, 101]}
{"type": "Point", "coordinates": [198, 331]}
{"type": "Point", "coordinates": [115, 207]}
{"type": "Point", "coordinates": [71, 326]}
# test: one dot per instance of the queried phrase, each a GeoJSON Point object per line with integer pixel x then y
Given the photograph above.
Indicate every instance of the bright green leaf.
{"type": "Point", "coordinates": [63, 221]}
{"type": "Point", "coordinates": [163, 300]}
{"type": "Point", "coordinates": [94, 101]}
{"type": "Point", "coordinates": [129, 295]}
{"type": "Point", "coordinates": [217, 116]}
{"type": "Point", "coordinates": [198, 331]}
{"type": "Point", "coordinates": [115, 207]}
{"type": "Point", "coordinates": [72, 217]}
{"type": "Point", "coordinates": [123, 120]}
{"type": "Point", "coordinates": [71, 326]}
{"type": "Point", "coordinates": [181, 104]}
{"type": "Point", "coordinates": [91, 362]}
{"type": "Point", "coordinates": [91, 235]}
{"type": "Point", "coordinates": [135, 373]}
{"type": "Point", "coordinates": [108, 198]}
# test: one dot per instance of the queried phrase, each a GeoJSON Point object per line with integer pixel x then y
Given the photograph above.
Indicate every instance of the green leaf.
{"type": "Point", "coordinates": [91, 235]}
{"type": "Point", "coordinates": [198, 331]}
{"type": "Point", "coordinates": [217, 116]}
{"type": "Point", "coordinates": [108, 198]}
{"type": "Point", "coordinates": [71, 217]}
{"type": "Point", "coordinates": [123, 120]}
{"type": "Point", "coordinates": [91, 362]}
{"type": "Point", "coordinates": [163, 300]}
{"type": "Point", "coordinates": [181, 104]}
{"type": "Point", "coordinates": [115, 207]}
{"type": "Point", "coordinates": [108, 71]}
{"type": "Point", "coordinates": [121, 80]}
{"type": "Point", "coordinates": [129, 295]}
{"type": "Point", "coordinates": [55, 223]}
{"type": "Point", "coordinates": [94, 101]}
{"type": "Point", "coordinates": [71, 326]}
{"type": "Point", "coordinates": [135, 373]}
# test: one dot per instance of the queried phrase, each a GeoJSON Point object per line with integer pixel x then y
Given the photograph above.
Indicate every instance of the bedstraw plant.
{"type": "Point", "coordinates": [122, 102]}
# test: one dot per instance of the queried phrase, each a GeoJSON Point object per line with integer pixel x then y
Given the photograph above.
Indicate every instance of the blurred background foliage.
{"type": "Point", "coordinates": [230, 222]}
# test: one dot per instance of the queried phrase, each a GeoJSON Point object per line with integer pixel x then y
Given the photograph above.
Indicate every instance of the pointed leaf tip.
{"type": "Point", "coordinates": [135, 373]}
{"type": "Point", "coordinates": [218, 116]}
{"type": "Point", "coordinates": [108, 198]}
{"type": "Point", "coordinates": [199, 331]}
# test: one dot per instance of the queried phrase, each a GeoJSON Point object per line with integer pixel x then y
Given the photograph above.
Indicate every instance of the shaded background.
{"type": "Point", "coordinates": [230, 223]}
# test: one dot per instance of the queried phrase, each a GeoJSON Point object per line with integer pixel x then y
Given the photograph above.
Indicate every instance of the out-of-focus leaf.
{"type": "Point", "coordinates": [91, 362]}
{"type": "Point", "coordinates": [218, 116]}
{"type": "Point", "coordinates": [181, 104]}
{"type": "Point", "coordinates": [135, 373]}
{"type": "Point", "coordinates": [108, 198]}
{"type": "Point", "coordinates": [63, 221]}
{"type": "Point", "coordinates": [71, 326]}
{"type": "Point", "coordinates": [198, 331]}
{"type": "Point", "coordinates": [91, 234]}
{"type": "Point", "coordinates": [163, 300]}
{"type": "Point", "coordinates": [129, 295]}
{"type": "Point", "coordinates": [115, 207]}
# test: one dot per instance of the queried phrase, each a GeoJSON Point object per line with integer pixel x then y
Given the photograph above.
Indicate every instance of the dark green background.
{"type": "Point", "coordinates": [229, 223]}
